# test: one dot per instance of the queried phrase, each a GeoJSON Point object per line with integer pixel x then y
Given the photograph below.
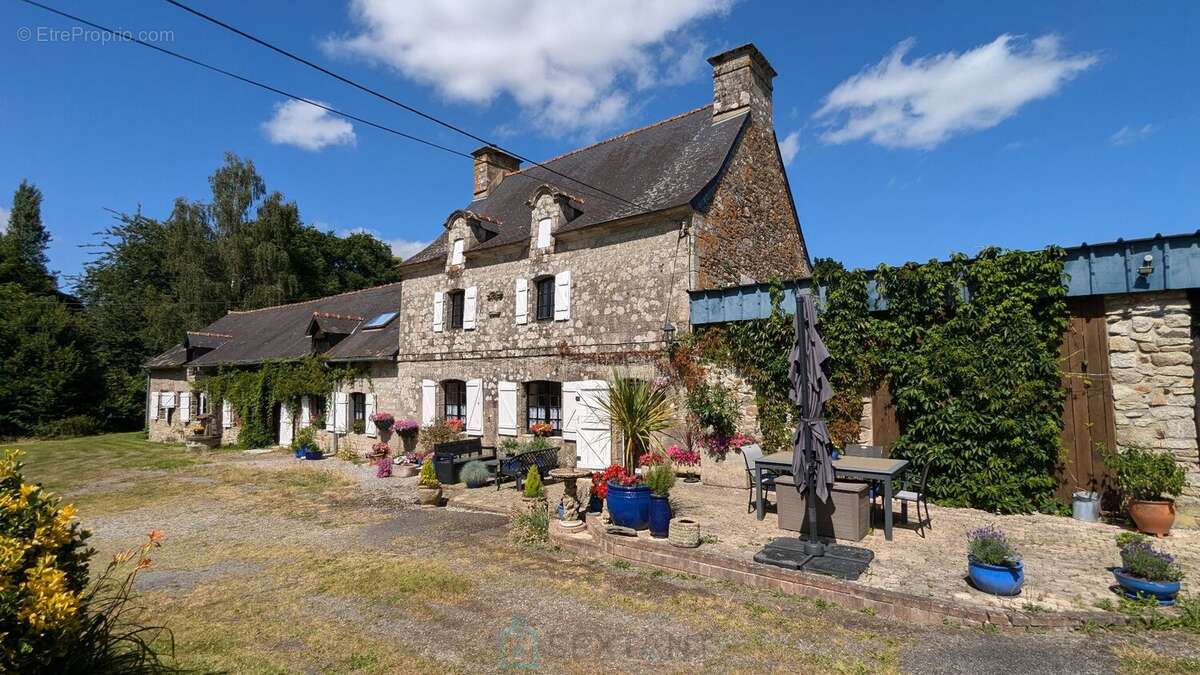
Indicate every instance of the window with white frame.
{"type": "Point", "coordinates": [454, 394]}
{"type": "Point", "coordinates": [543, 405]}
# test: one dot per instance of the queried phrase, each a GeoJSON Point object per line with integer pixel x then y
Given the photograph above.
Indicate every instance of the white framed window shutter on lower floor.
{"type": "Point", "coordinates": [370, 410]}
{"type": "Point", "coordinates": [562, 296]}
{"type": "Point", "coordinates": [506, 424]}
{"type": "Point", "coordinates": [185, 407]}
{"type": "Point", "coordinates": [341, 411]}
{"type": "Point", "coordinates": [474, 421]}
{"type": "Point", "coordinates": [153, 405]}
{"type": "Point", "coordinates": [226, 414]}
{"type": "Point", "coordinates": [428, 402]}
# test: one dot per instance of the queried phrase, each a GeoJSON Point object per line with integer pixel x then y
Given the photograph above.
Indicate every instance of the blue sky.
{"type": "Point", "coordinates": [910, 133]}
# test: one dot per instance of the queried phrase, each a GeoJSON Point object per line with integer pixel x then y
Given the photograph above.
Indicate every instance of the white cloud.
{"type": "Point", "coordinates": [1127, 135]}
{"type": "Point", "coordinates": [789, 146]}
{"type": "Point", "coordinates": [924, 102]}
{"type": "Point", "coordinates": [3, 221]}
{"type": "Point", "coordinates": [401, 248]}
{"type": "Point", "coordinates": [306, 126]}
{"type": "Point", "coordinates": [572, 68]}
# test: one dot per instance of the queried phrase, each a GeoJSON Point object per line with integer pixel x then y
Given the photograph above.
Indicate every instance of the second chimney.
{"type": "Point", "coordinates": [742, 81]}
{"type": "Point", "coordinates": [491, 166]}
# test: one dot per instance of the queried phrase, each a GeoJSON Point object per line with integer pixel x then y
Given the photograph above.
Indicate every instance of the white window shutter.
{"type": "Point", "coordinates": [439, 300]}
{"type": "Point", "coordinates": [428, 402]}
{"type": "Point", "coordinates": [226, 414]}
{"type": "Point", "coordinates": [507, 423]}
{"type": "Point", "coordinates": [543, 233]}
{"type": "Point", "coordinates": [286, 428]}
{"type": "Point", "coordinates": [570, 397]}
{"type": "Point", "coordinates": [330, 414]}
{"type": "Point", "coordinates": [562, 296]}
{"type": "Point", "coordinates": [203, 409]}
{"type": "Point", "coordinates": [185, 407]}
{"type": "Point", "coordinates": [154, 405]}
{"type": "Point", "coordinates": [470, 307]}
{"type": "Point", "coordinates": [474, 425]}
{"type": "Point", "coordinates": [456, 252]}
{"type": "Point", "coordinates": [522, 296]}
{"type": "Point", "coordinates": [305, 412]}
{"type": "Point", "coordinates": [342, 412]}
{"type": "Point", "coordinates": [370, 410]}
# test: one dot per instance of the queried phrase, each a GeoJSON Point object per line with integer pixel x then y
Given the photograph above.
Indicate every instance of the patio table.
{"type": "Point", "coordinates": [863, 468]}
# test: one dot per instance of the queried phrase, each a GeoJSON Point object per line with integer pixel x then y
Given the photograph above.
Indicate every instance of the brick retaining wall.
{"type": "Point", "coordinates": [846, 594]}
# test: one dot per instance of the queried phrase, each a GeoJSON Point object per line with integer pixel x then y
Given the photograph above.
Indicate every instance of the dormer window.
{"type": "Point", "coordinates": [456, 252]}
{"type": "Point", "coordinates": [543, 232]}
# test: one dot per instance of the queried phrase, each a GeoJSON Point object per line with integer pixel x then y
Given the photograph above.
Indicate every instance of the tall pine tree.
{"type": "Point", "coordinates": [23, 246]}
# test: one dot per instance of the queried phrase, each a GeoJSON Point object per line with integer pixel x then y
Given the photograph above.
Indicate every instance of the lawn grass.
{"type": "Point", "coordinates": [66, 464]}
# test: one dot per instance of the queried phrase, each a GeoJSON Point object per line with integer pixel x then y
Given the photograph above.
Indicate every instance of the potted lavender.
{"type": "Point", "coordinates": [993, 565]}
{"type": "Point", "coordinates": [1145, 571]}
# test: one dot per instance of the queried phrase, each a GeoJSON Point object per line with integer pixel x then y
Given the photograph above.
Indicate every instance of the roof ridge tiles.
{"type": "Point", "coordinates": [615, 138]}
{"type": "Point", "coordinates": [305, 302]}
{"type": "Point", "coordinates": [208, 334]}
{"type": "Point", "coordinates": [334, 315]}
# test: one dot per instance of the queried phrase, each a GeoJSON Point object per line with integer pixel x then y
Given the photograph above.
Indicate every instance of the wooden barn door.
{"type": "Point", "coordinates": [885, 429]}
{"type": "Point", "coordinates": [1088, 408]}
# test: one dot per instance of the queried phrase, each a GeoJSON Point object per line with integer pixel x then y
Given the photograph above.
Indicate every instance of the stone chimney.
{"type": "Point", "coordinates": [742, 81]}
{"type": "Point", "coordinates": [491, 166]}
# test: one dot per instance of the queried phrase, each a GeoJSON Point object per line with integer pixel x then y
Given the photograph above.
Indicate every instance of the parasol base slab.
{"type": "Point", "coordinates": [838, 560]}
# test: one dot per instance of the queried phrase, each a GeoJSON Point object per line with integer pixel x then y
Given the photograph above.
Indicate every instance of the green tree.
{"type": "Point", "coordinates": [23, 246]}
{"type": "Point", "coordinates": [48, 369]}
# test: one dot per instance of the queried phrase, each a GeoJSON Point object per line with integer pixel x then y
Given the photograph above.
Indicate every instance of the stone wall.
{"type": "Point", "coordinates": [1150, 357]}
{"type": "Point", "coordinates": [750, 232]}
{"type": "Point", "coordinates": [167, 428]}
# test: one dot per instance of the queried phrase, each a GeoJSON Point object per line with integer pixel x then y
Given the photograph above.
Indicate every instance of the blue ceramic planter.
{"type": "Point", "coordinates": [595, 504]}
{"type": "Point", "coordinates": [629, 506]}
{"type": "Point", "coordinates": [660, 517]}
{"type": "Point", "coordinates": [1133, 587]}
{"type": "Point", "coordinates": [996, 579]}
{"type": "Point", "coordinates": [313, 453]}
{"type": "Point", "coordinates": [300, 452]}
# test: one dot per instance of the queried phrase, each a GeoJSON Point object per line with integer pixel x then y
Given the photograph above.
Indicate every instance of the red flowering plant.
{"type": "Point", "coordinates": [683, 457]}
{"type": "Point", "coordinates": [719, 446]}
{"type": "Point", "coordinates": [456, 425]}
{"type": "Point", "coordinates": [380, 449]}
{"type": "Point", "coordinates": [540, 429]}
{"type": "Point", "coordinates": [614, 473]}
{"type": "Point", "coordinates": [651, 458]}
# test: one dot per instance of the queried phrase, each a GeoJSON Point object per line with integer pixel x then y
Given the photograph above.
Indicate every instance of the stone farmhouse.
{"type": "Point", "coordinates": [537, 287]}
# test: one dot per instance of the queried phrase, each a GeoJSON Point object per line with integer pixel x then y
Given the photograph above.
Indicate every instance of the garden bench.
{"type": "Point", "coordinates": [449, 458]}
{"type": "Point", "coordinates": [517, 466]}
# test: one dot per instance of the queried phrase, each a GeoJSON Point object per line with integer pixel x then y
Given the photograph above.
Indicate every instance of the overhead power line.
{"type": "Point", "coordinates": [125, 36]}
{"type": "Point", "coordinates": [393, 101]}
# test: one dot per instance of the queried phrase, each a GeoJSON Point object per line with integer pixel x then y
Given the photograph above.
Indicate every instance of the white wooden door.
{"type": "Point", "coordinates": [593, 429]}
{"type": "Point", "coordinates": [285, 424]}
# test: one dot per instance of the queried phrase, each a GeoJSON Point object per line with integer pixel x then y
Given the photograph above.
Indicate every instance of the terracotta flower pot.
{"type": "Point", "coordinates": [1153, 516]}
{"type": "Point", "coordinates": [428, 496]}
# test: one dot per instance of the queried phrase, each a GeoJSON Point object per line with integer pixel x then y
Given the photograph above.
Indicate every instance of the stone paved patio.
{"type": "Point", "coordinates": [1065, 559]}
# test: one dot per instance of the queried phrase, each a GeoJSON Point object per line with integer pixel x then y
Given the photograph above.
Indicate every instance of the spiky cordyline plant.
{"type": "Point", "coordinates": [640, 409]}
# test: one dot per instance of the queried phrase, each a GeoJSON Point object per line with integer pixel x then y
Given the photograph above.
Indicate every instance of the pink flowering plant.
{"type": "Point", "coordinates": [719, 446]}
{"type": "Point", "coordinates": [383, 468]}
{"type": "Point", "coordinates": [383, 420]}
{"type": "Point", "coordinates": [683, 457]}
{"type": "Point", "coordinates": [405, 426]}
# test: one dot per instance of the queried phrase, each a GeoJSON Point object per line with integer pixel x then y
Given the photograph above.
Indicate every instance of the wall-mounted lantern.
{"type": "Point", "coordinates": [1147, 265]}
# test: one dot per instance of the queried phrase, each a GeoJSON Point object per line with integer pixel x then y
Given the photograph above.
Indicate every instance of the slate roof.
{"type": "Point", "coordinates": [280, 332]}
{"type": "Point", "coordinates": [658, 167]}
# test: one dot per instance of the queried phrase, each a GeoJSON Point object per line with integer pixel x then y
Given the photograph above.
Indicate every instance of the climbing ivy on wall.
{"type": "Point", "coordinates": [254, 391]}
{"type": "Point", "coordinates": [970, 350]}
